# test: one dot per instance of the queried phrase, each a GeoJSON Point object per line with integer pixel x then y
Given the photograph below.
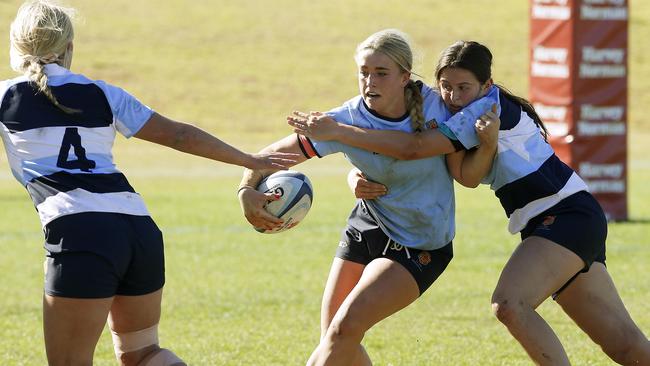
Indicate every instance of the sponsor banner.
{"type": "Point", "coordinates": [578, 85]}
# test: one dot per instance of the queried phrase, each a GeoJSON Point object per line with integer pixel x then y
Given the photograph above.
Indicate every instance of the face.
{"type": "Point", "coordinates": [381, 83]}
{"type": "Point", "coordinates": [459, 87]}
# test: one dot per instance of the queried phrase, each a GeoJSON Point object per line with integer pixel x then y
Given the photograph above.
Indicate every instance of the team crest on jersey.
{"type": "Point", "coordinates": [431, 124]}
{"type": "Point", "coordinates": [424, 258]}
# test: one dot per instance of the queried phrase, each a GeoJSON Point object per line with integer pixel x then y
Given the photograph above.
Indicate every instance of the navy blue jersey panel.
{"type": "Point", "coordinates": [545, 181]}
{"type": "Point", "coordinates": [25, 108]}
{"type": "Point", "coordinates": [45, 186]}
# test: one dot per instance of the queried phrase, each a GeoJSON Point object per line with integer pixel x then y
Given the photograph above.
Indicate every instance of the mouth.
{"type": "Point", "coordinates": [372, 95]}
{"type": "Point", "coordinates": [454, 108]}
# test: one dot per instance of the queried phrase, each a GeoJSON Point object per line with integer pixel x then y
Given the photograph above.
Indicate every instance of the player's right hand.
{"type": "Point", "coordinates": [252, 204]}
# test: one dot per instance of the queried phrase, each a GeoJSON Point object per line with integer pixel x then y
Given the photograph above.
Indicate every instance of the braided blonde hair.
{"type": "Point", "coordinates": [394, 44]}
{"type": "Point", "coordinates": [41, 34]}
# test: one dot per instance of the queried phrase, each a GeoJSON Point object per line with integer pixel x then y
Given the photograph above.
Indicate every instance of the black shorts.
{"type": "Point", "coordinates": [99, 255]}
{"type": "Point", "coordinates": [363, 241]}
{"type": "Point", "coordinates": [577, 223]}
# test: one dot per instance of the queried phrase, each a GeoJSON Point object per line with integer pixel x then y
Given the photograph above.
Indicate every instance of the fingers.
{"type": "Point", "coordinates": [369, 190]}
{"type": "Point", "coordinates": [300, 114]}
{"type": "Point", "coordinates": [255, 211]}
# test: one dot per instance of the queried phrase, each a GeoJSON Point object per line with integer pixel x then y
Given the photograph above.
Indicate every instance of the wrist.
{"type": "Point", "coordinates": [243, 188]}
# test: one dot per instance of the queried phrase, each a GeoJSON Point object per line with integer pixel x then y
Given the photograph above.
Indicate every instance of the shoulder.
{"type": "Point", "coordinates": [510, 112]}
{"type": "Point", "coordinates": [347, 111]}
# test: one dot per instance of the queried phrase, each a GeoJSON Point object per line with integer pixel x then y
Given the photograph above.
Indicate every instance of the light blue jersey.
{"type": "Point", "coordinates": [418, 210]}
{"type": "Point", "coordinates": [65, 160]}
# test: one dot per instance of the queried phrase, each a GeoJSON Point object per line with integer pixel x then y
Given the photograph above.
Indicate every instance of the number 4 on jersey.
{"type": "Point", "coordinates": [71, 138]}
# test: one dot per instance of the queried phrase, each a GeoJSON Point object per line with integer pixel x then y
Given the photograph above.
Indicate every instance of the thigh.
{"type": "Point", "coordinates": [592, 301]}
{"type": "Point", "coordinates": [385, 287]}
{"type": "Point", "coordinates": [343, 276]}
{"type": "Point", "coordinates": [72, 328]}
{"type": "Point", "coordinates": [133, 313]}
{"type": "Point", "coordinates": [536, 269]}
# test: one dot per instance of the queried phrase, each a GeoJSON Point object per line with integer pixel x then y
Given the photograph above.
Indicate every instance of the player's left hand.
{"type": "Point", "coordinates": [316, 125]}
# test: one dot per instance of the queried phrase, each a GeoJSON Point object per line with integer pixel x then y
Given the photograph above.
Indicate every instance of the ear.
{"type": "Point", "coordinates": [488, 84]}
{"type": "Point", "coordinates": [406, 77]}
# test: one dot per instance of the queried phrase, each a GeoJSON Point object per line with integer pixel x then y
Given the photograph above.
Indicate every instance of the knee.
{"type": "Point", "coordinates": [629, 347]}
{"type": "Point", "coordinates": [346, 327]}
{"type": "Point", "coordinates": [140, 348]}
{"type": "Point", "coordinates": [507, 311]}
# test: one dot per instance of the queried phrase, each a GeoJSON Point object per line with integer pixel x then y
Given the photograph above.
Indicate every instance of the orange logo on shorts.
{"type": "Point", "coordinates": [424, 258]}
{"type": "Point", "coordinates": [548, 220]}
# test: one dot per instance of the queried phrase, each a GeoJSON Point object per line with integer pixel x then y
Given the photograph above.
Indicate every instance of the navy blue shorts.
{"type": "Point", "coordinates": [577, 223]}
{"type": "Point", "coordinates": [99, 255]}
{"type": "Point", "coordinates": [362, 241]}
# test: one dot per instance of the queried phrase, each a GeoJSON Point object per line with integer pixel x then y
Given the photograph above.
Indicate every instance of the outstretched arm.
{"type": "Point", "coordinates": [397, 144]}
{"type": "Point", "coordinates": [192, 140]}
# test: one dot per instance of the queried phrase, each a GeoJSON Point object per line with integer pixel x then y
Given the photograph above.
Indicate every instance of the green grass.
{"type": "Point", "coordinates": [236, 297]}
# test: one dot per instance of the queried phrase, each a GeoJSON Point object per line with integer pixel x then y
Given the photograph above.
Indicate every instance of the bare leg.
{"type": "Point", "coordinates": [344, 275]}
{"type": "Point", "coordinates": [132, 313]}
{"type": "Point", "coordinates": [385, 287]}
{"type": "Point", "coordinates": [72, 328]}
{"type": "Point", "coordinates": [536, 269]}
{"type": "Point", "coordinates": [592, 301]}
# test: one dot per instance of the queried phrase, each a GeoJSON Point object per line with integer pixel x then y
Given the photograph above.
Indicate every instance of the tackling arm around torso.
{"type": "Point", "coordinates": [396, 144]}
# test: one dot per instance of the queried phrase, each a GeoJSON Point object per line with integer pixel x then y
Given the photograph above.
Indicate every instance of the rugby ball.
{"type": "Point", "coordinates": [296, 195]}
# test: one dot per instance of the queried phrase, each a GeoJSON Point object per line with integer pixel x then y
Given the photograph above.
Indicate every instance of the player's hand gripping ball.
{"type": "Point", "coordinates": [296, 195]}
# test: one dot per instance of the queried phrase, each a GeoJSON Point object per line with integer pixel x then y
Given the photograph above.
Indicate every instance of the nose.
{"type": "Point", "coordinates": [370, 80]}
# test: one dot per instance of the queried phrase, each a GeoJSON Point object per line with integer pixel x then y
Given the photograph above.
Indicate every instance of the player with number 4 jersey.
{"type": "Point", "coordinates": [105, 255]}
{"type": "Point", "coordinates": [65, 161]}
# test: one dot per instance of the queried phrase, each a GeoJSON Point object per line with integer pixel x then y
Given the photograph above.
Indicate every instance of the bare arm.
{"type": "Point", "coordinates": [192, 140]}
{"type": "Point", "coordinates": [469, 167]}
{"type": "Point", "coordinates": [397, 144]}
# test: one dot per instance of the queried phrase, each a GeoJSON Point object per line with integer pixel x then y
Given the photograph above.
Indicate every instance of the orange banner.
{"type": "Point", "coordinates": [578, 84]}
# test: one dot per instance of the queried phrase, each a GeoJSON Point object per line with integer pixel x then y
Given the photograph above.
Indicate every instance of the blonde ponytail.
{"type": "Point", "coordinates": [41, 34]}
{"type": "Point", "coordinates": [414, 102]}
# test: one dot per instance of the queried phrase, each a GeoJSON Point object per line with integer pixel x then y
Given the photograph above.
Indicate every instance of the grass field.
{"type": "Point", "coordinates": [236, 68]}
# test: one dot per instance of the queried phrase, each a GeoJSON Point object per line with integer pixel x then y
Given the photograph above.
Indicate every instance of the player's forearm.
{"type": "Point", "coordinates": [477, 164]}
{"type": "Point", "coordinates": [289, 144]}
{"type": "Point", "coordinates": [191, 139]}
{"type": "Point", "coordinates": [390, 143]}
{"type": "Point", "coordinates": [251, 178]}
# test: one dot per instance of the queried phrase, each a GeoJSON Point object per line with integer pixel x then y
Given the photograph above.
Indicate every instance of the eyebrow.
{"type": "Point", "coordinates": [449, 82]}
{"type": "Point", "coordinates": [377, 68]}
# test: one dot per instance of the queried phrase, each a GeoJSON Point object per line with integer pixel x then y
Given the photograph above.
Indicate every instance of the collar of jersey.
{"type": "Point", "coordinates": [55, 70]}
{"type": "Point", "coordinates": [388, 119]}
